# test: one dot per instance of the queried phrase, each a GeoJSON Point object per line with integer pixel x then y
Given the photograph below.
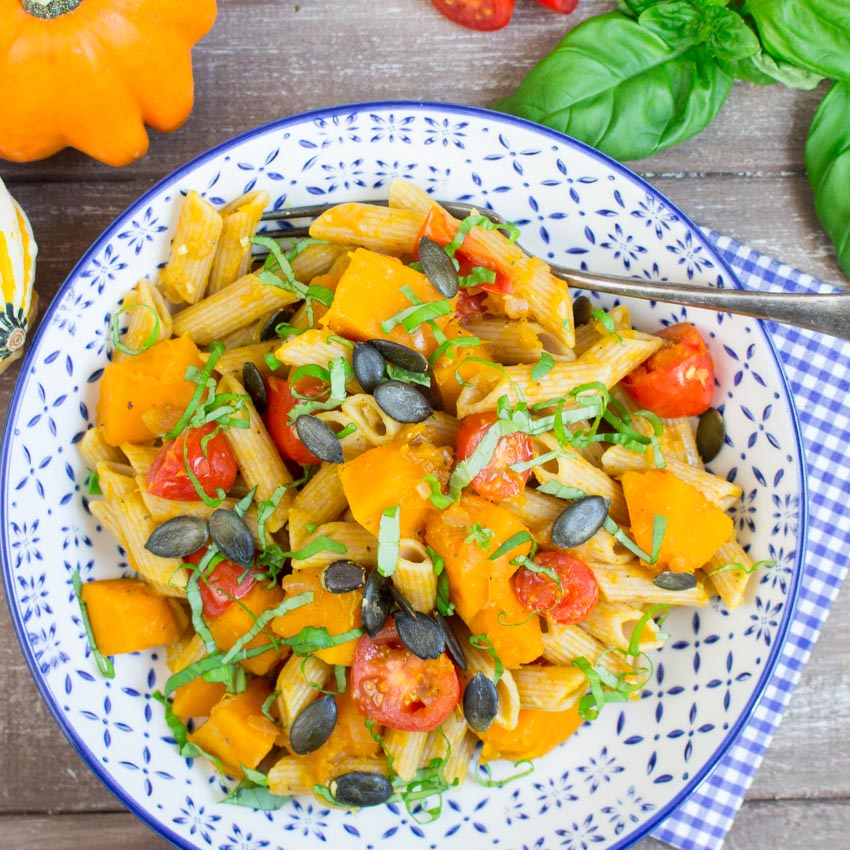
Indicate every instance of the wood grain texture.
{"type": "Point", "coordinates": [264, 59]}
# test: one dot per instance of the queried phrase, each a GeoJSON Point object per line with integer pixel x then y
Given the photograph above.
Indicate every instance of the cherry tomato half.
{"type": "Point", "coordinates": [565, 7]}
{"type": "Point", "coordinates": [396, 688]}
{"type": "Point", "coordinates": [496, 481]}
{"type": "Point", "coordinates": [438, 227]}
{"type": "Point", "coordinates": [576, 598]}
{"type": "Point", "coordinates": [281, 402]}
{"type": "Point", "coordinates": [210, 458]}
{"type": "Point", "coordinates": [227, 582]}
{"type": "Point", "coordinates": [477, 14]}
{"type": "Point", "coordinates": [678, 380]}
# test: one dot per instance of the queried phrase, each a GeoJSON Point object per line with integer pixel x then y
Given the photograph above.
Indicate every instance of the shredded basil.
{"type": "Point", "coordinates": [389, 540]}
{"type": "Point", "coordinates": [104, 664]}
{"type": "Point", "coordinates": [490, 782]}
{"type": "Point", "coordinates": [481, 641]}
{"type": "Point", "coordinates": [543, 366]}
{"type": "Point", "coordinates": [152, 337]}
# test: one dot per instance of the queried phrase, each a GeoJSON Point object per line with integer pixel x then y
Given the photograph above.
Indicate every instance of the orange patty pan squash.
{"type": "Point", "coordinates": [90, 74]}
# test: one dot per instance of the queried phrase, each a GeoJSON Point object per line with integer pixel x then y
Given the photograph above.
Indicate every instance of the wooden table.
{"type": "Point", "coordinates": [264, 59]}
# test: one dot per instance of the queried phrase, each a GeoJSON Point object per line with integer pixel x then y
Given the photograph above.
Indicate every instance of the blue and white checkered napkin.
{"type": "Point", "coordinates": [818, 370]}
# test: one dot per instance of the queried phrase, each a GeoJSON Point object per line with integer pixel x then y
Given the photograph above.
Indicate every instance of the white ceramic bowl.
{"type": "Point", "coordinates": [616, 778]}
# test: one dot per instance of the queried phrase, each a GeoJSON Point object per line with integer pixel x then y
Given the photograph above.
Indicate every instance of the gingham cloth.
{"type": "Point", "coordinates": [818, 370]}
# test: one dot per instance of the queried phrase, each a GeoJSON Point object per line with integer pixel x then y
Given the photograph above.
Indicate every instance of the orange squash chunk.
{"type": "Point", "coordinates": [237, 731]}
{"type": "Point", "coordinates": [132, 387]}
{"type": "Point", "coordinates": [337, 612]}
{"type": "Point", "coordinates": [196, 698]}
{"type": "Point", "coordinates": [238, 619]}
{"type": "Point", "coordinates": [695, 528]}
{"type": "Point", "coordinates": [456, 363]}
{"type": "Point", "coordinates": [536, 733]}
{"type": "Point", "coordinates": [514, 631]}
{"type": "Point", "coordinates": [392, 475]}
{"type": "Point", "coordinates": [127, 615]}
{"type": "Point", "coordinates": [370, 291]}
{"type": "Point", "coordinates": [474, 580]}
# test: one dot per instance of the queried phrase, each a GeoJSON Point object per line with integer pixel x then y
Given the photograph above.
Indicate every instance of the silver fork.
{"type": "Point", "coordinates": [828, 314]}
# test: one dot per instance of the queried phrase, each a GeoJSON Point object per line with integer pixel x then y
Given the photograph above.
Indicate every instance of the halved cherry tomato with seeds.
{"type": "Point", "coordinates": [678, 380]}
{"type": "Point", "coordinates": [396, 688]}
{"type": "Point", "coordinates": [572, 602]}
{"type": "Point", "coordinates": [497, 481]}
{"type": "Point", "coordinates": [477, 14]}
{"type": "Point", "coordinates": [281, 402]}
{"type": "Point", "coordinates": [210, 459]}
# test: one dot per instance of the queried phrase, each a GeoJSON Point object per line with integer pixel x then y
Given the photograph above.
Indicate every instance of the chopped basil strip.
{"type": "Point", "coordinates": [543, 366]}
{"type": "Point", "coordinates": [104, 664]}
{"type": "Point", "coordinates": [389, 540]}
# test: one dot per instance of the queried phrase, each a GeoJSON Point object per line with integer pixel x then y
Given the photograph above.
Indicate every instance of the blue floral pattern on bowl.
{"type": "Point", "coordinates": [612, 781]}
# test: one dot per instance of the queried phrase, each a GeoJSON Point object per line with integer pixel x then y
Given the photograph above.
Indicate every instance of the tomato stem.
{"type": "Point", "coordinates": [48, 9]}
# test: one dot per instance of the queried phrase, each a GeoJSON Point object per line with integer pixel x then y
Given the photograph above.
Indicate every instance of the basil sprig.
{"type": "Point", "coordinates": [657, 72]}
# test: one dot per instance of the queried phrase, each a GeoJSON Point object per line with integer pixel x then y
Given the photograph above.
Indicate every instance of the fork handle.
{"type": "Point", "coordinates": [828, 314]}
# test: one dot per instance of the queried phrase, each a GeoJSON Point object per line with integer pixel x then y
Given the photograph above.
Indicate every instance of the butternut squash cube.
{"type": "Point", "coordinates": [127, 615]}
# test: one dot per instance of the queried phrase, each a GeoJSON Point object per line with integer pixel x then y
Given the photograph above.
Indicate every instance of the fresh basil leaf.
{"type": "Point", "coordinates": [828, 167]}
{"type": "Point", "coordinates": [763, 70]}
{"type": "Point", "coordinates": [677, 23]}
{"type": "Point", "coordinates": [813, 34]}
{"type": "Point", "coordinates": [730, 38]}
{"type": "Point", "coordinates": [621, 88]}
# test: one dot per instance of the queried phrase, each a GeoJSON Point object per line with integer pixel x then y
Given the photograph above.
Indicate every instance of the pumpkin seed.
{"type": "Point", "coordinates": [376, 604]}
{"type": "Point", "coordinates": [577, 523]}
{"type": "Point", "coordinates": [361, 788]}
{"type": "Point", "coordinates": [420, 634]}
{"type": "Point", "coordinates": [582, 310]}
{"type": "Point", "coordinates": [256, 386]}
{"type": "Point", "coordinates": [401, 355]}
{"type": "Point", "coordinates": [669, 580]}
{"type": "Point", "coordinates": [369, 365]}
{"type": "Point", "coordinates": [232, 536]}
{"type": "Point", "coordinates": [178, 536]}
{"type": "Point", "coordinates": [319, 438]}
{"type": "Point", "coordinates": [438, 267]}
{"type": "Point", "coordinates": [313, 726]}
{"type": "Point", "coordinates": [453, 645]}
{"type": "Point", "coordinates": [343, 577]}
{"type": "Point", "coordinates": [711, 433]}
{"type": "Point", "coordinates": [400, 600]}
{"type": "Point", "coordinates": [403, 402]}
{"type": "Point", "coordinates": [480, 702]}
{"type": "Point", "coordinates": [268, 330]}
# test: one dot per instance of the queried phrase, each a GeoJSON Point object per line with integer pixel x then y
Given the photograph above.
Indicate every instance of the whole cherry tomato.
{"type": "Point", "coordinates": [477, 14]}
{"type": "Point", "coordinates": [396, 688]}
{"type": "Point", "coordinates": [576, 598]}
{"type": "Point", "coordinates": [678, 380]}
{"type": "Point", "coordinates": [497, 481]}
{"type": "Point", "coordinates": [210, 459]}
{"type": "Point", "coordinates": [281, 402]}
{"type": "Point", "coordinates": [227, 582]}
{"type": "Point", "coordinates": [562, 6]}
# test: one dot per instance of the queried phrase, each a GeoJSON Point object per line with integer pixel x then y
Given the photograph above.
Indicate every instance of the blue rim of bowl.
{"type": "Point", "coordinates": [149, 818]}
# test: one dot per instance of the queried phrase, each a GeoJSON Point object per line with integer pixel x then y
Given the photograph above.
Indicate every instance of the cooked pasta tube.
{"type": "Point", "coordinates": [547, 688]}
{"type": "Point", "coordinates": [240, 219]}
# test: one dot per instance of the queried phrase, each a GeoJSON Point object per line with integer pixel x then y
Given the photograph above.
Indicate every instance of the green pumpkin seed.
{"type": "Point", "coordinates": [256, 386]}
{"type": "Point", "coordinates": [420, 633]}
{"type": "Point", "coordinates": [369, 365]}
{"type": "Point", "coordinates": [313, 726]}
{"type": "Point", "coordinates": [232, 536]}
{"type": "Point", "coordinates": [438, 267]}
{"type": "Point", "coordinates": [403, 402]}
{"type": "Point", "coordinates": [319, 438]}
{"type": "Point", "coordinates": [480, 702]}
{"type": "Point", "coordinates": [577, 523]}
{"type": "Point", "coordinates": [401, 355]}
{"type": "Point", "coordinates": [361, 788]}
{"type": "Point", "coordinates": [669, 580]}
{"type": "Point", "coordinates": [711, 433]}
{"type": "Point", "coordinates": [343, 577]}
{"type": "Point", "coordinates": [178, 537]}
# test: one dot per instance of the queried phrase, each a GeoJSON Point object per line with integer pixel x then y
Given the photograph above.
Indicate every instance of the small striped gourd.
{"type": "Point", "coordinates": [17, 273]}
